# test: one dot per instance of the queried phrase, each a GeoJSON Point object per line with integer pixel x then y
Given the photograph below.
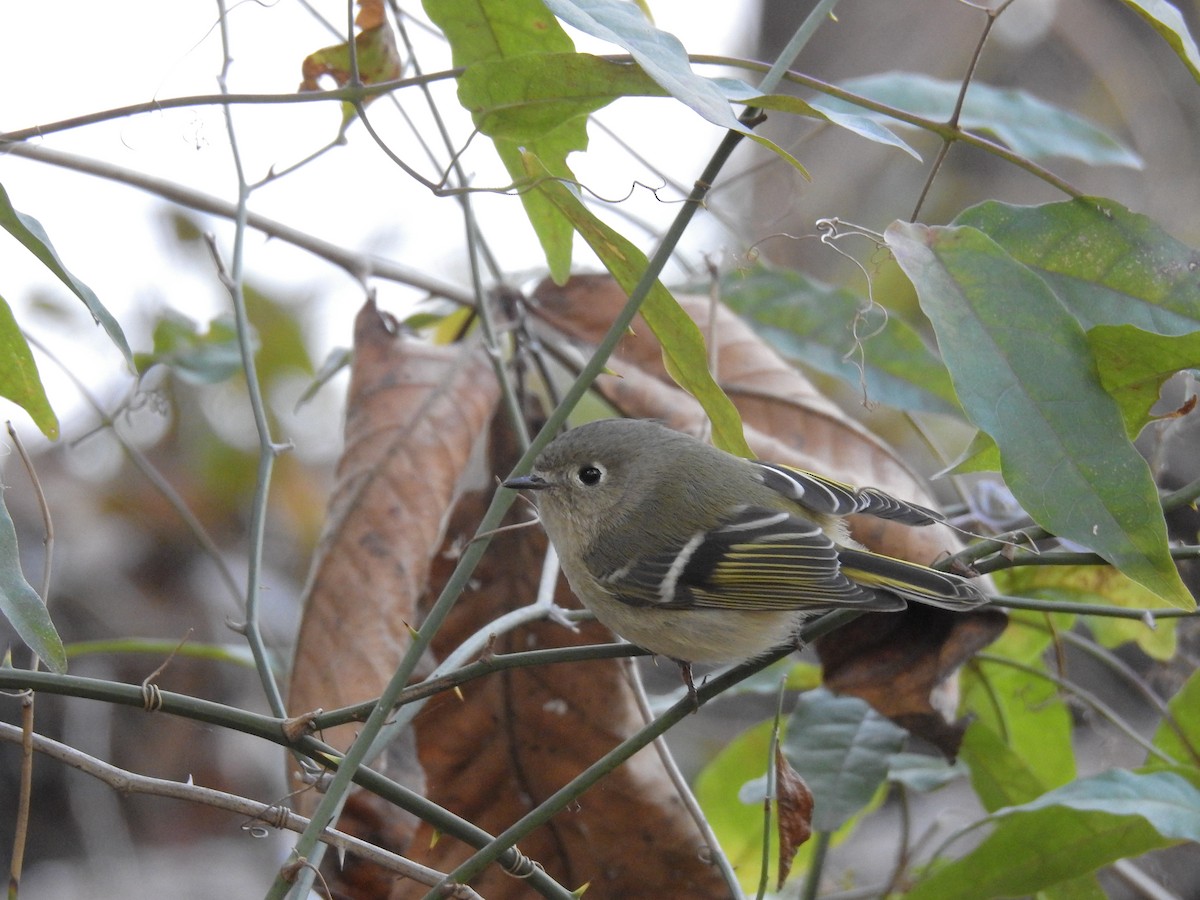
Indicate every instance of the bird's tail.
{"type": "Point", "coordinates": [911, 581]}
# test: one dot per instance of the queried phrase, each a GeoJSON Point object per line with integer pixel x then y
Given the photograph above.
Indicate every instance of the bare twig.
{"type": "Point", "coordinates": [259, 815]}
{"type": "Point", "coordinates": [268, 448]}
{"type": "Point", "coordinates": [360, 266]}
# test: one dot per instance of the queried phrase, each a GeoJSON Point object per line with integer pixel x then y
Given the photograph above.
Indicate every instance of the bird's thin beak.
{"type": "Point", "coordinates": [527, 483]}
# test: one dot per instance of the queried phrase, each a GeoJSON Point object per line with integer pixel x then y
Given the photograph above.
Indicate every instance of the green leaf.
{"type": "Point", "coordinates": [662, 57]}
{"type": "Point", "coordinates": [1134, 364]}
{"type": "Point", "coordinates": [998, 774]}
{"type": "Point", "coordinates": [1169, 22]}
{"type": "Point", "coordinates": [1027, 713]}
{"type": "Point", "coordinates": [1178, 735]}
{"type": "Point", "coordinates": [526, 97]}
{"type": "Point", "coordinates": [1069, 832]}
{"type": "Point", "coordinates": [1107, 265]}
{"type": "Point", "coordinates": [1098, 584]}
{"type": "Point", "coordinates": [1029, 126]}
{"type": "Point", "coordinates": [197, 357]}
{"type": "Point", "coordinates": [684, 353]}
{"type": "Point", "coordinates": [1062, 442]}
{"type": "Point", "coordinates": [20, 603]}
{"type": "Point", "coordinates": [29, 231]}
{"type": "Point", "coordinates": [19, 379]}
{"type": "Point", "coordinates": [815, 324]}
{"type": "Point", "coordinates": [481, 30]}
{"type": "Point", "coordinates": [843, 749]}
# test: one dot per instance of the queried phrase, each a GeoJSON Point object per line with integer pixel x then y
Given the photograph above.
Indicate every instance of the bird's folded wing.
{"type": "Point", "coordinates": [758, 559]}
{"type": "Point", "coordinates": [824, 495]}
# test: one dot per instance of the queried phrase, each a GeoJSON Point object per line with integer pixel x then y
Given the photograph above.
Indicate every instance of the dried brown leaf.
{"type": "Point", "coordinates": [413, 415]}
{"type": "Point", "coordinates": [794, 806]}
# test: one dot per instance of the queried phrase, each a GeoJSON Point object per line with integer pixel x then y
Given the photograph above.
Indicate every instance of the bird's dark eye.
{"type": "Point", "coordinates": [590, 475]}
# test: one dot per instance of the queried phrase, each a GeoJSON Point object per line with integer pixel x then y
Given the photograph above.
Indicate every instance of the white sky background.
{"type": "Point", "coordinates": [93, 57]}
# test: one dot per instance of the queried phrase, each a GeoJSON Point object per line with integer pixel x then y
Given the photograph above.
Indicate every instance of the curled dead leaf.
{"type": "Point", "coordinates": [413, 416]}
{"type": "Point", "coordinates": [794, 805]}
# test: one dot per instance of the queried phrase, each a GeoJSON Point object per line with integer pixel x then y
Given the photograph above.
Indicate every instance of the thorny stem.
{"type": "Point", "coordinates": [268, 449]}
{"type": "Point", "coordinates": [259, 816]}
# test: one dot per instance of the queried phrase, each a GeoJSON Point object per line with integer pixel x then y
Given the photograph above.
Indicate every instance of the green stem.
{"type": "Point", "coordinates": [270, 729]}
{"type": "Point", "coordinates": [812, 881]}
{"type": "Point", "coordinates": [268, 449]}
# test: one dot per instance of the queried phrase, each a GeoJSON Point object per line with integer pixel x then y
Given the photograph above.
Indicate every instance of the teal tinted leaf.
{"type": "Point", "coordinates": [20, 603]}
{"type": "Point", "coordinates": [920, 772]}
{"type": "Point", "coordinates": [853, 121]}
{"type": "Point", "coordinates": [843, 749]}
{"type": "Point", "coordinates": [1064, 453]}
{"type": "Point", "coordinates": [1070, 832]}
{"type": "Point", "coordinates": [684, 352]}
{"type": "Point", "coordinates": [1029, 126]}
{"type": "Point", "coordinates": [480, 30]}
{"type": "Point", "coordinates": [863, 126]}
{"type": "Point", "coordinates": [1168, 21]}
{"type": "Point", "coordinates": [661, 56]}
{"type": "Point", "coordinates": [815, 324]}
{"type": "Point", "coordinates": [19, 379]}
{"type": "Point", "coordinates": [198, 357]}
{"type": "Point", "coordinates": [1108, 265]}
{"type": "Point", "coordinates": [1134, 364]}
{"type": "Point", "coordinates": [29, 231]}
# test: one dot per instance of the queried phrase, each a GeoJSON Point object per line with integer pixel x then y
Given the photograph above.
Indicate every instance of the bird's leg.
{"type": "Point", "coordinates": [685, 670]}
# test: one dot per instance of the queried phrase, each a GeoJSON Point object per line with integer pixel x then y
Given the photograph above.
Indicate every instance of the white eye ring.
{"type": "Point", "coordinates": [590, 475]}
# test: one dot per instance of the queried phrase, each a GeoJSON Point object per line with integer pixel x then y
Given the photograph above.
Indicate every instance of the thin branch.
{"type": "Point", "coordinates": [989, 21]}
{"type": "Point", "coordinates": [633, 675]}
{"type": "Point", "coordinates": [259, 815]}
{"type": "Point", "coordinates": [1091, 609]}
{"type": "Point", "coordinates": [268, 448]}
{"type": "Point", "coordinates": [275, 731]}
{"type": "Point", "coordinates": [1120, 667]}
{"type": "Point", "coordinates": [359, 266]}
{"type": "Point", "coordinates": [348, 94]}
